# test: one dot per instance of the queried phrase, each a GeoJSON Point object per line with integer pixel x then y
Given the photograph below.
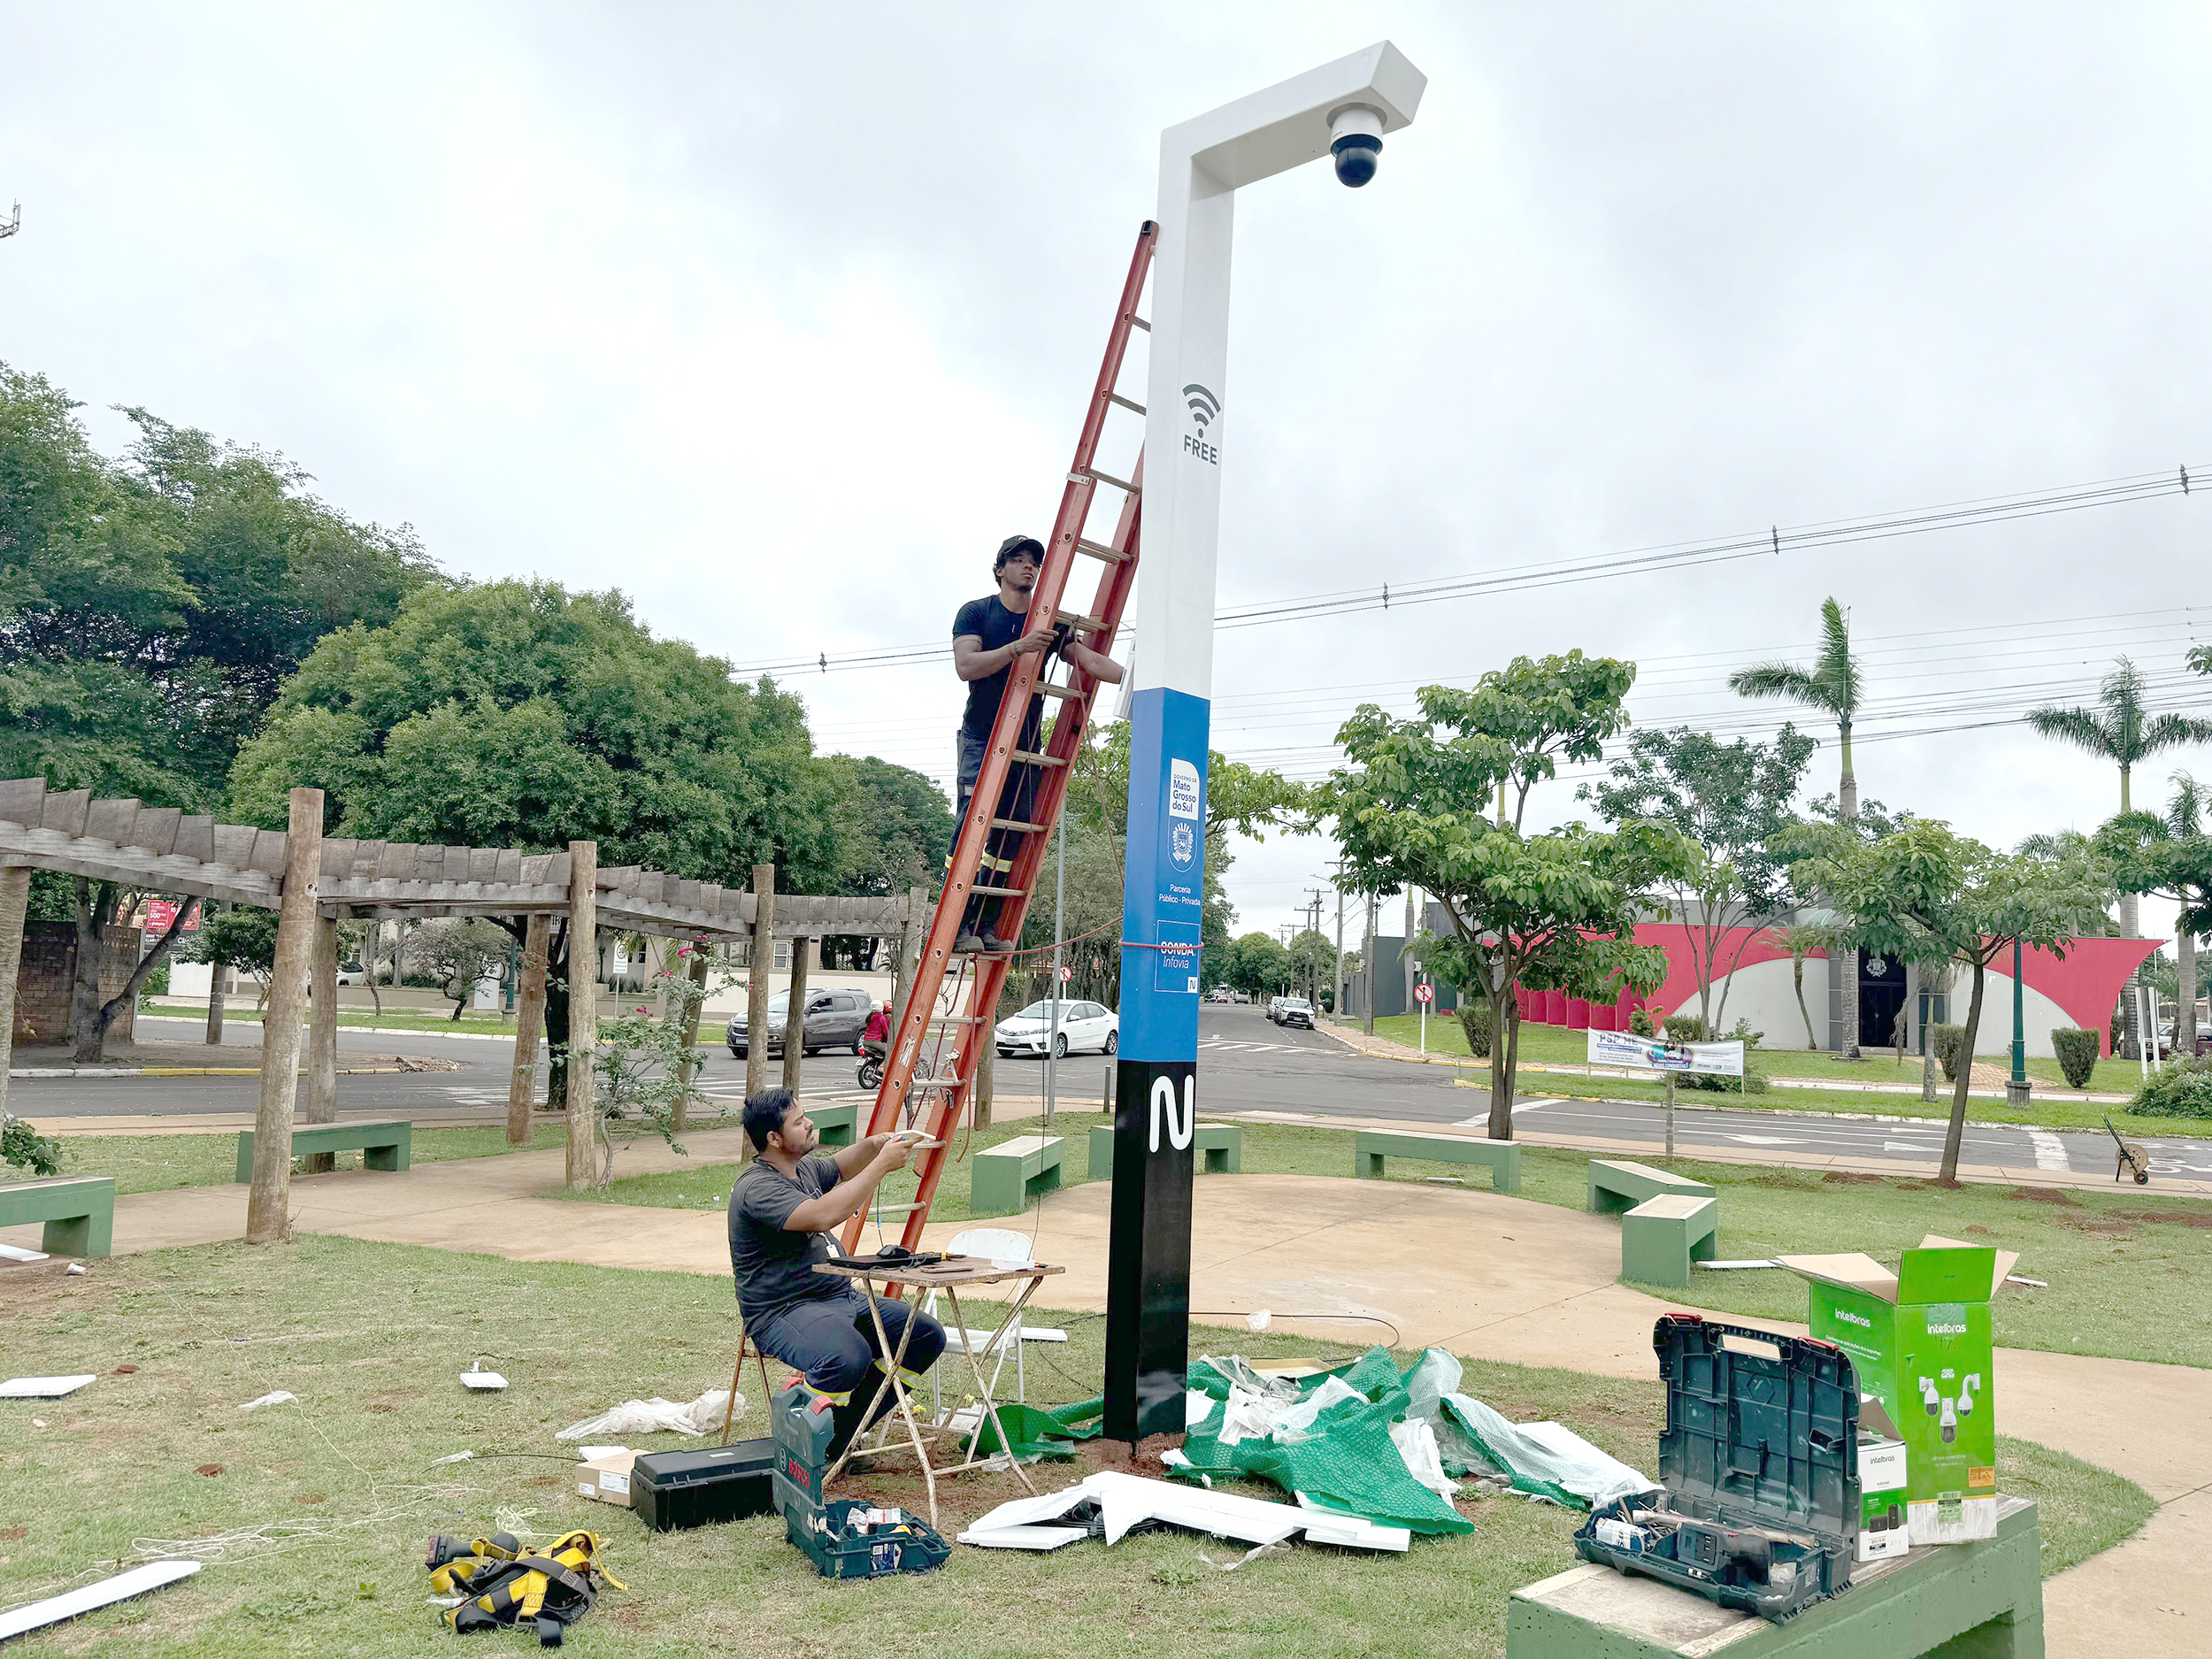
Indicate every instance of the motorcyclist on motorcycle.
{"type": "Point", "coordinates": [874, 1045]}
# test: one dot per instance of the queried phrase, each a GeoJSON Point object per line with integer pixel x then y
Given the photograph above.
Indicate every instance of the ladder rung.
{"type": "Point", "coordinates": [881, 1210]}
{"type": "Point", "coordinates": [1063, 691]}
{"type": "Point", "coordinates": [1108, 478]}
{"type": "Point", "coordinates": [1082, 624]}
{"type": "Point", "coordinates": [1116, 397]}
{"type": "Point", "coordinates": [1001, 892]}
{"type": "Point", "coordinates": [955, 1019]}
{"type": "Point", "coordinates": [1141, 322]}
{"type": "Point", "coordinates": [1014, 824]}
{"type": "Point", "coordinates": [1033, 759]}
{"type": "Point", "coordinates": [1099, 550]}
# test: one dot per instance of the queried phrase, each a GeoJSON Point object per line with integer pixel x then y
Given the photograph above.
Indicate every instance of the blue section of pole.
{"type": "Point", "coordinates": [1163, 902]}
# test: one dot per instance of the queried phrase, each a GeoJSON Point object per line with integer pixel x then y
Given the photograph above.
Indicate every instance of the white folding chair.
{"type": "Point", "coordinates": [993, 1244]}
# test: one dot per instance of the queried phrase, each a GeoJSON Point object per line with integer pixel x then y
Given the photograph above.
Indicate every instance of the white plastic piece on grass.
{"type": "Point", "coordinates": [75, 1267]}
{"type": "Point", "coordinates": [16, 1253]}
{"type": "Point", "coordinates": [1124, 1501]}
{"type": "Point", "coordinates": [1259, 1320]}
{"type": "Point", "coordinates": [477, 1380]}
{"type": "Point", "coordinates": [656, 1415]}
{"type": "Point", "coordinates": [43, 1387]}
{"type": "Point", "coordinates": [73, 1603]}
{"type": "Point", "coordinates": [279, 1398]}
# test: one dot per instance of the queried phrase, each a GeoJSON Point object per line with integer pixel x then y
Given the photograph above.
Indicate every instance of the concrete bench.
{"type": "Point", "coordinates": [1009, 1175]}
{"type": "Point", "coordinates": [1371, 1147]}
{"type": "Point", "coordinates": [383, 1145]}
{"type": "Point", "coordinates": [1216, 1150]}
{"type": "Point", "coordinates": [79, 1212]}
{"type": "Point", "coordinates": [1661, 1236]}
{"type": "Point", "coordinates": [838, 1125]}
{"type": "Point", "coordinates": [1983, 1599]}
{"type": "Point", "coordinates": [1617, 1185]}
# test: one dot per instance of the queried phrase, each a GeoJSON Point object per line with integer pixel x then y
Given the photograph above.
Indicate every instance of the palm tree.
{"type": "Point", "coordinates": [1831, 687]}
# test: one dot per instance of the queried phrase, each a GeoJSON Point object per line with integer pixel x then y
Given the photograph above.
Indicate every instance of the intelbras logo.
{"type": "Point", "coordinates": [1859, 1319]}
{"type": "Point", "coordinates": [1946, 1318]}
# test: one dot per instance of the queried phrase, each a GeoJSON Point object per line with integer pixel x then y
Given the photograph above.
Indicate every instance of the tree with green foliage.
{"type": "Point", "coordinates": [1732, 801]}
{"type": "Point", "coordinates": [236, 936]}
{"type": "Point", "coordinates": [1551, 911]}
{"type": "Point", "coordinates": [518, 714]}
{"type": "Point", "coordinates": [151, 608]}
{"type": "Point", "coordinates": [462, 953]}
{"type": "Point", "coordinates": [1927, 892]}
{"type": "Point", "coordinates": [898, 825]}
{"type": "Point", "coordinates": [1257, 964]}
{"type": "Point", "coordinates": [1312, 964]}
{"type": "Point", "coordinates": [2170, 853]}
{"type": "Point", "coordinates": [1833, 684]}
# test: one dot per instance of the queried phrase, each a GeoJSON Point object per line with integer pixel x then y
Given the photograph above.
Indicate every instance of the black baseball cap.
{"type": "Point", "coordinates": [1014, 544]}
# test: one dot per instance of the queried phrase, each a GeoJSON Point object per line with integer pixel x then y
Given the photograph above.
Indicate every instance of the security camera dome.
{"type": "Point", "coordinates": [1356, 159]}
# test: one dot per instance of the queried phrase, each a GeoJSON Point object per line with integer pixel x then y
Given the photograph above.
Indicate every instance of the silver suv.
{"type": "Point", "coordinates": [834, 1019]}
{"type": "Point", "coordinates": [1295, 1011]}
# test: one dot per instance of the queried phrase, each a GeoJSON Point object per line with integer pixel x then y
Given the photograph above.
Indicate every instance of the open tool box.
{"type": "Point", "coordinates": [1759, 1464]}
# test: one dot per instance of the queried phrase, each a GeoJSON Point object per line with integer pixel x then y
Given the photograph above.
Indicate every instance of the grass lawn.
{"type": "Point", "coordinates": [311, 1518]}
{"type": "Point", "coordinates": [409, 1020]}
{"type": "Point", "coordinates": [148, 1164]}
{"type": "Point", "coordinates": [2052, 1105]}
{"type": "Point", "coordinates": [2131, 1276]}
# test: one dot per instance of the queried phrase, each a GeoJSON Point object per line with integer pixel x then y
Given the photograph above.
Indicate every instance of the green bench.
{"type": "Point", "coordinates": [1979, 1600]}
{"type": "Point", "coordinates": [383, 1145]}
{"type": "Point", "coordinates": [1617, 1185]}
{"type": "Point", "coordinates": [1371, 1147]}
{"type": "Point", "coordinates": [1010, 1174]}
{"type": "Point", "coordinates": [838, 1125]}
{"type": "Point", "coordinates": [1217, 1150]}
{"type": "Point", "coordinates": [79, 1212]}
{"type": "Point", "coordinates": [1661, 1236]}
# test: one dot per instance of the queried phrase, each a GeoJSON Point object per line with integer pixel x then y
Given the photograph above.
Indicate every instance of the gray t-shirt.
{"type": "Point", "coordinates": [774, 1267]}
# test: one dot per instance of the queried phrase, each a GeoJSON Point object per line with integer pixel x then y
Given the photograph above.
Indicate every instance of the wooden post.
{"type": "Point", "coordinates": [910, 955]}
{"type": "Point", "coordinates": [15, 901]}
{"type": "Point", "coordinates": [756, 985]}
{"type": "Point", "coordinates": [795, 1014]}
{"type": "Point", "coordinates": [268, 1204]}
{"type": "Point", "coordinates": [696, 970]}
{"type": "Point", "coordinates": [322, 1037]}
{"type": "Point", "coordinates": [583, 1008]}
{"type": "Point", "coordinates": [529, 1023]}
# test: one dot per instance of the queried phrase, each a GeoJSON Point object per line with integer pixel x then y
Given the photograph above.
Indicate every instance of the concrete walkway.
{"type": "Point", "coordinates": [1481, 1274]}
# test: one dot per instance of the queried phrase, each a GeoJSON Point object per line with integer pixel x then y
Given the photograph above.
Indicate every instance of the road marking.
{"type": "Point", "coordinates": [2050, 1151]}
{"type": "Point", "coordinates": [1912, 1147]}
{"type": "Point", "coordinates": [1768, 1140]}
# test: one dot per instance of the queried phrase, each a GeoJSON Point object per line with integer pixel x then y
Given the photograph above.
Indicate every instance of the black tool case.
{"type": "Point", "coordinates": [670, 1490]}
{"type": "Point", "coordinates": [1760, 1467]}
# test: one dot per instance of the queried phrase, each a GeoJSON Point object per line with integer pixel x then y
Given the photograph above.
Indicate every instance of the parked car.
{"type": "Point", "coordinates": [1222, 993]}
{"type": "Point", "coordinates": [834, 1019]}
{"type": "Point", "coordinates": [1274, 1006]}
{"type": "Point", "coordinates": [1083, 1026]}
{"type": "Point", "coordinates": [352, 973]}
{"type": "Point", "coordinates": [1295, 1011]}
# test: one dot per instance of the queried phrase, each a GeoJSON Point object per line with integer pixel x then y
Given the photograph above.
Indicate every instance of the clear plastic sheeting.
{"type": "Point", "coordinates": [1544, 1460]}
{"type": "Point", "coordinates": [694, 1417]}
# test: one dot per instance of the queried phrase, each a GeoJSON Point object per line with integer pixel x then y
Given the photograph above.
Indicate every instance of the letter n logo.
{"type": "Point", "coordinates": [1179, 1129]}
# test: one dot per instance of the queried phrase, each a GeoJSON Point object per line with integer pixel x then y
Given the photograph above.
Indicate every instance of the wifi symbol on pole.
{"type": "Point", "coordinates": [1204, 406]}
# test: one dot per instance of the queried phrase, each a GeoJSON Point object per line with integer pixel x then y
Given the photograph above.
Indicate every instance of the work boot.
{"type": "Point", "coordinates": [969, 944]}
{"type": "Point", "coordinates": [993, 945]}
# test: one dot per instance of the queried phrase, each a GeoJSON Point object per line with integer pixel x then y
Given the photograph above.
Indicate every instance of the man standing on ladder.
{"type": "Point", "coordinates": [987, 638]}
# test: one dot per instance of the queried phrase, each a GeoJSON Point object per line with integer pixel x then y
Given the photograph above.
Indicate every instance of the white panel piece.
{"type": "Point", "coordinates": [73, 1603]}
{"type": "Point", "coordinates": [16, 1253]}
{"type": "Point", "coordinates": [1124, 1501]}
{"type": "Point", "coordinates": [42, 1387]}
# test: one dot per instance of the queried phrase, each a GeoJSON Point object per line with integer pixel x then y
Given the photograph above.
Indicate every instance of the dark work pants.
{"type": "Point", "coordinates": [1016, 800]}
{"type": "Point", "coordinates": [833, 1341]}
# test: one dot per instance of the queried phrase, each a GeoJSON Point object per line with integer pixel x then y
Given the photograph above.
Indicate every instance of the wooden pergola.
{"type": "Point", "coordinates": [312, 882]}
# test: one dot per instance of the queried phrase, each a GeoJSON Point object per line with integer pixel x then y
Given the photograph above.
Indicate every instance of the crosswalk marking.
{"type": "Point", "coordinates": [2050, 1151]}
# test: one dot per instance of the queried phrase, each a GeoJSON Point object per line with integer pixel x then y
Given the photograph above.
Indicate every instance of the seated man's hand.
{"type": "Point", "coordinates": [897, 1153]}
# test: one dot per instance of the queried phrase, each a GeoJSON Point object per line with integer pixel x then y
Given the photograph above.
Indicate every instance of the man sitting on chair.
{"type": "Point", "coordinates": [781, 1210]}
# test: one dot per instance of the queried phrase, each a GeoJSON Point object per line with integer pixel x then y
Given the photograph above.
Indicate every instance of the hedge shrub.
{"type": "Point", "coordinates": [2077, 1052]}
{"type": "Point", "coordinates": [1640, 1023]}
{"type": "Point", "coordinates": [1950, 1043]}
{"type": "Point", "coordinates": [2177, 1091]}
{"type": "Point", "coordinates": [1475, 1020]}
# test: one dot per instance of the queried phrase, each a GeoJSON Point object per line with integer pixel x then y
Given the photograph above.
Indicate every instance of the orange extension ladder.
{"type": "Point", "coordinates": [930, 1072]}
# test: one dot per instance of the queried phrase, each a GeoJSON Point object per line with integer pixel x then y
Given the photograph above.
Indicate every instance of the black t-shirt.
{"type": "Point", "coordinates": [990, 621]}
{"type": "Point", "coordinates": [773, 1266]}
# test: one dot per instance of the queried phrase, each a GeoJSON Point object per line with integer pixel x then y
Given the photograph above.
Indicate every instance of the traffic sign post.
{"type": "Point", "coordinates": [1066, 973]}
{"type": "Point", "coordinates": [1424, 994]}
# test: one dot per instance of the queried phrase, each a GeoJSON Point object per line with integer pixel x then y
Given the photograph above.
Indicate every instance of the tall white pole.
{"type": "Point", "coordinates": [1342, 108]}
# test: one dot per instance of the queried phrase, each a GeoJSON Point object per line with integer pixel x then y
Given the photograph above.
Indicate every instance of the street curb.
{"type": "Point", "coordinates": [370, 1031]}
{"type": "Point", "coordinates": [1683, 1105]}
{"type": "Point", "coordinates": [185, 1071]}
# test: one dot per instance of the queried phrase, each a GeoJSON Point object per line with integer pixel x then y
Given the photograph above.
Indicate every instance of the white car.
{"type": "Point", "coordinates": [1084, 1026]}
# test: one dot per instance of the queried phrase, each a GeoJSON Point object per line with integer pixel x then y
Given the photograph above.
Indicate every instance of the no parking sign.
{"type": "Point", "coordinates": [1424, 994]}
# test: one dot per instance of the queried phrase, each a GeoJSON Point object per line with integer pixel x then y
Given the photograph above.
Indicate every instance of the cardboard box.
{"type": "Point", "coordinates": [1920, 1339]}
{"type": "Point", "coordinates": [606, 1480]}
{"type": "Point", "coordinates": [1883, 1524]}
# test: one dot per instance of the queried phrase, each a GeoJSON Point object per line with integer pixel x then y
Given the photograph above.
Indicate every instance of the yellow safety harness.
{"type": "Point", "coordinates": [508, 1584]}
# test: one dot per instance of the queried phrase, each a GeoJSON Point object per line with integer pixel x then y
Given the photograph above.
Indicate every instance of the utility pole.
{"type": "Point", "coordinates": [1405, 951]}
{"type": "Point", "coordinates": [1337, 991]}
{"type": "Point", "coordinates": [1367, 972]}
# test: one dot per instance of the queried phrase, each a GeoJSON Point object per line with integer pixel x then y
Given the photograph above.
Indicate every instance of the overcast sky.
{"type": "Point", "coordinates": [779, 318]}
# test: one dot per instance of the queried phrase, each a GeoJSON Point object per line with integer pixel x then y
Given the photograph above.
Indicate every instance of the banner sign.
{"type": "Point", "coordinates": [1654, 1053]}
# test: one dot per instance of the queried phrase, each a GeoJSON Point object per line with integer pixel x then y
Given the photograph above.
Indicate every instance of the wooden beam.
{"type": "Point", "coordinates": [268, 1204]}
{"type": "Point", "coordinates": [764, 908]}
{"type": "Point", "coordinates": [15, 898]}
{"type": "Point", "coordinates": [583, 1010]}
{"type": "Point", "coordinates": [529, 1022]}
{"type": "Point", "coordinates": [322, 1037]}
{"type": "Point", "coordinates": [794, 1015]}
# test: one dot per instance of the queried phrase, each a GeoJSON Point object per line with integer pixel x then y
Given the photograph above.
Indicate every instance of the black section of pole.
{"type": "Point", "coordinates": [1147, 1269]}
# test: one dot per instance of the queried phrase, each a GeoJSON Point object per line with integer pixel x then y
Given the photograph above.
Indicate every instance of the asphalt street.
{"type": "Point", "coordinates": [1246, 1065]}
